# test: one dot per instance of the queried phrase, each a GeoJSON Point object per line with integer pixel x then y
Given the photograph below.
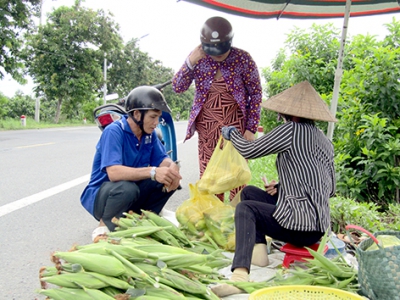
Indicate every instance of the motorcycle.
{"type": "Point", "coordinates": [105, 114]}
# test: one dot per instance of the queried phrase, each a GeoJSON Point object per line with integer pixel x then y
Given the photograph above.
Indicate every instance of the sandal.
{"type": "Point", "coordinates": [99, 232]}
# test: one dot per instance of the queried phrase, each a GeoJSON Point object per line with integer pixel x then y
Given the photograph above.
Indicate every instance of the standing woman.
{"type": "Point", "coordinates": [228, 89]}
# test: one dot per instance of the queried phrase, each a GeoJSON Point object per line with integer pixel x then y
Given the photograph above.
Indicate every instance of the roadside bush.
{"type": "Point", "coordinates": [346, 211]}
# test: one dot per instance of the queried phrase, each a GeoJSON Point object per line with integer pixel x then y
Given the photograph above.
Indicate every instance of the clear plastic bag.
{"type": "Point", "coordinates": [220, 222]}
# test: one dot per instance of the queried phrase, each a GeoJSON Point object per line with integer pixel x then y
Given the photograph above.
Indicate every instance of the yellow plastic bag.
{"type": "Point", "coordinates": [190, 213]}
{"type": "Point", "coordinates": [226, 170]}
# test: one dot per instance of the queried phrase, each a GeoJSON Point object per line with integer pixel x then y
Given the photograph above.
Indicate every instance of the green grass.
{"type": "Point", "coordinates": [13, 124]}
{"type": "Point", "coordinates": [263, 166]}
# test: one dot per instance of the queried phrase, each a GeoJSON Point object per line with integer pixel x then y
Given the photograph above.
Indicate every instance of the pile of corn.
{"type": "Point", "coordinates": [205, 218]}
{"type": "Point", "coordinates": [318, 271]}
{"type": "Point", "coordinates": [147, 257]}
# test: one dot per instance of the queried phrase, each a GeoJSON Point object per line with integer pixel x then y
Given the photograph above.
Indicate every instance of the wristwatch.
{"type": "Point", "coordinates": [153, 173]}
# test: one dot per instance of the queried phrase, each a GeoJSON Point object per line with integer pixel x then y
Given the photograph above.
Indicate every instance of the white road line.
{"type": "Point", "coordinates": [10, 207]}
{"type": "Point", "coordinates": [36, 145]}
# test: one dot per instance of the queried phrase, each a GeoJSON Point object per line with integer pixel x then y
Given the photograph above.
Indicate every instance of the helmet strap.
{"type": "Point", "coordinates": [141, 121]}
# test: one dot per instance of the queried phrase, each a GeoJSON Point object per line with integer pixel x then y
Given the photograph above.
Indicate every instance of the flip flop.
{"type": "Point", "coordinates": [98, 232]}
{"type": "Point", "coordinates": [352, 244]}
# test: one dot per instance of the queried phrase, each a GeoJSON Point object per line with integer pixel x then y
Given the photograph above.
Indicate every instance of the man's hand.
{"type": "Point", "coordinates": [169, 176]}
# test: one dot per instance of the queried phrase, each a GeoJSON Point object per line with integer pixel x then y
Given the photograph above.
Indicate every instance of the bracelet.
{"type": "Point", "coordinates": [153, 173]}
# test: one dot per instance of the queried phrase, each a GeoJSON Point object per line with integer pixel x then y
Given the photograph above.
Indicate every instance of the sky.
{"type": "Point", "coordinates": [169, 30]}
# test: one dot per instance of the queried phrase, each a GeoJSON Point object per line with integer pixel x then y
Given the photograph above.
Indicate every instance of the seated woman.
{"type": "Point", "coordinates": [295, 210]}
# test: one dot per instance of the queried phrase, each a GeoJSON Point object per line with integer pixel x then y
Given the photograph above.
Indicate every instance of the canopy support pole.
{"type": "Point", "coordinates": [339, 69]}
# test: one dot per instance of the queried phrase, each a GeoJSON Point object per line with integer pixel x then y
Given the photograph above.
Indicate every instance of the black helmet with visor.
{"type": "Point", "coordinates": [216, 36]}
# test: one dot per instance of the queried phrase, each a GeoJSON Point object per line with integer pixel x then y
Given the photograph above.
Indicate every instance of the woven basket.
{"type": "Point", "coordinates": [378, 270]}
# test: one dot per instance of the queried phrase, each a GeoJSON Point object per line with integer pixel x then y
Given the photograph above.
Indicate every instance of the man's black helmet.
{"type": "Point", "coordinates": [216, 36]}
{"type": "Point", "coordinates": [146, 98]}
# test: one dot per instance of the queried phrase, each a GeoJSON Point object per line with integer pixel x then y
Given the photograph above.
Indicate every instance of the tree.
{"type": "Point", "coordinates": [15, 20]}
{"type": "Point", "coordinates": [130, 68]}
{"type": "Point", "coordinates": [312, 56]}
{"type": "Point", "coordinates": [65, 57]}
{"type": "Point", "coordinates": [3, 103]}
{"type": "Point", "coordinates": [20, 104]}
{"type": "Point", "coordinates": [369, 147]}
{"type": "Point", "coordinates": [366, 138]}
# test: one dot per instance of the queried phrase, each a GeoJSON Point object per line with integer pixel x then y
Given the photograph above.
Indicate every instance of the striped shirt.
{"type": "Point", "coordinates": [306, 173]}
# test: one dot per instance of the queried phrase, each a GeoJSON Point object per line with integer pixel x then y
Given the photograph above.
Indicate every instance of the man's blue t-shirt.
{"type": "Point", "coordinates": [119, 146]}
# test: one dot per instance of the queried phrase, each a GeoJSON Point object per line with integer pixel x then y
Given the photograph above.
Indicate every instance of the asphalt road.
{"type": "Point", "coordinates": [42, 175]}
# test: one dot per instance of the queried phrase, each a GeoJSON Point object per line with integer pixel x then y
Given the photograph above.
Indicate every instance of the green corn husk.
{"type": "Point", "coordinates": [112, 291]}
{"type": "Point", "coordinates": [172, 229]}
{"type": "Point", "coordinates": [135, 231]}
{"type": "Point", "coordinates": [183, 283]}
{"type": "Point", "coordinates": [163, 249]}
{"type": "Point", "coordinates": [147, 297]}
{"type": "Point", "coordinates": [74, 294]}
{"type": "Point", "coordinates": [48, 271]}
{"type": "Point", "coordinates": [161, 293]}
{"type": "Point", "coordinates": [74, 280]}
{"type": "Point", "coordinates": [103, 264]}
{"type": "Point", "coordinates": [204, 247]}
{"type": "Point", "coordinates": [164, 236]}
{"type": "Point", "coordinates": [125, 251]}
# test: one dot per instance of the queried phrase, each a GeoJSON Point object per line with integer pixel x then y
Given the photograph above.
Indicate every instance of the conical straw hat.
{"type": "Point", "coordinates": [301, 100]}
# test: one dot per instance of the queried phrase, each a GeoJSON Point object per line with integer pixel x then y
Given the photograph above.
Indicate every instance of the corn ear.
{"type": "Point", "coordinates": [132, 270]}
{"type": "Point", "coordinates": [125, 251]}
{"type": "Point", "coordinates": [74, 294]}
{"type": "Point", "coordinates": [163, 249]}
{"type": "Point", "coordinates": [111, 281]}
{"type": "Point", "coordinates": [48, 271]}
{"type": "Point", "coordinates": [103, 264]}
{"type": "Point", "coordinates": [163, 236]}
{"type": "Point", "coordinates": [56, 294]}
{"type": "Point", "coordinates": [172, 229]}
{"type": "Point", "coordinates": [112, 291]}
{"type": "Point", "coordinates": [162, 293]}
{"type": "Point", "coordinates": [135, 231]}
{"type": "Point", "coordinates": [183, 260]}
{"type": "Point", "coordinates": [183, 283]}
{"type": "Point", "coordinates": [147, 297]}
{"type": "Point", "coordinates": [97, 294]}
{"type": "Point", "coordinates": [74, 280]}
{"type": "Point", "coordinates": [132, 215]}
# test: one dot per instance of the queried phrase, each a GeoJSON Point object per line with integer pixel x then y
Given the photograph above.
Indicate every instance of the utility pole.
{"type": "Point", "coordinates": [37, 103]}
{"type": "Point", "coordinates": [105, 79]}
